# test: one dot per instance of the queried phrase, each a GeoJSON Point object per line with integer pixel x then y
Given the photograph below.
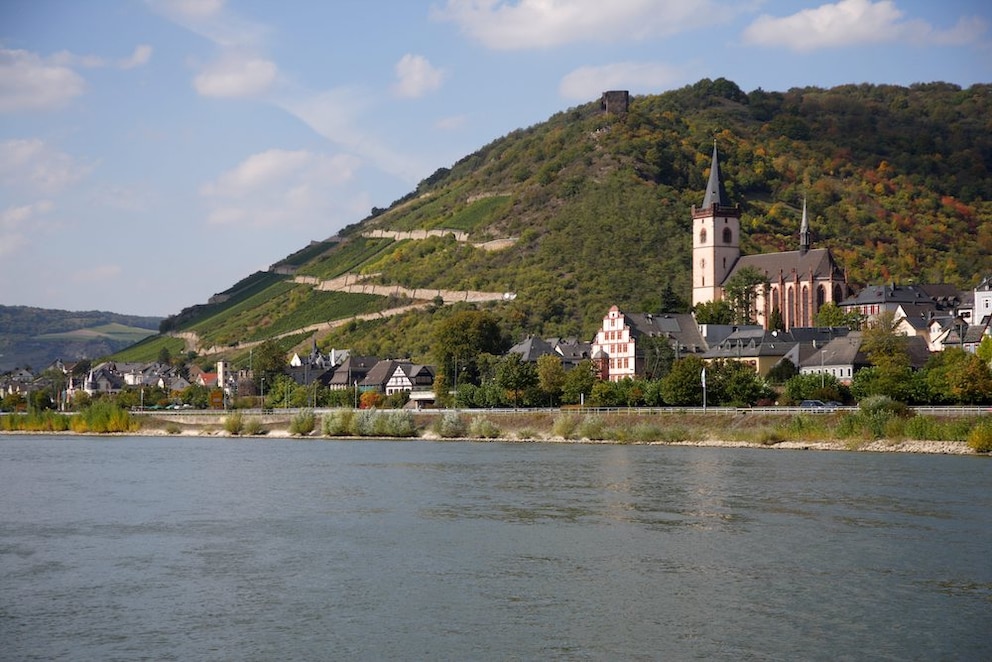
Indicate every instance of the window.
{"type": "Point", "coordinates": [702, 236]}
{"type": "Point", "coordinates": [728, 236]}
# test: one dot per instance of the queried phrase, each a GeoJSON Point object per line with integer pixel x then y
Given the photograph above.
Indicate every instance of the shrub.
{"type": "Point", "coordinates": [234, 423]}
{"type": "Point", "coordinates": [303, 422]}
{"type": "Point", "coordinates": [450, 425]}
{"type": "Point", "coordinates": [806, 427]}
{"type": "Point", "coordinates": [925, 428]}
{"type": "Point", "coordinates": [641, 433]}
{"type": "Point", "coordinates": [104, 416]}
{"type": "Point", "coordinates": [592, 428]}
{"type": "Point", "coordinates": [980, 437]}
{"type": "Point", "coordinates": [172, 428]}
{"type": "Point", "coordinates": [338, 423]}
{"type": "Point", "coordinates": [396, 423]}
{"type": "Point", "coordinates": [883, 403]}
{"type": "Point", "coordinates": [769, 437]}
{"type": "Point", "coordinates": [483, 428]}
{"type": "Point", "coordinates": [253, 426]}
{"type": "Point", "coordinates": [362, 423]}
{"type": "Point", "coordinates": [564, 426]}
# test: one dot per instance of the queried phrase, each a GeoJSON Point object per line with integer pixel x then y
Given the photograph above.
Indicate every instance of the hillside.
{"type": "Point", "coordinates": [552, 224]}
{"type": "Point", "coordinates": [36, 337]}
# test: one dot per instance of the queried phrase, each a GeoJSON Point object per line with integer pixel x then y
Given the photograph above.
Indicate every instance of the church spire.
{"type": "Point", "coordinates": [804, 232]}
{"type": "Point", "coordinates": [715, 193]}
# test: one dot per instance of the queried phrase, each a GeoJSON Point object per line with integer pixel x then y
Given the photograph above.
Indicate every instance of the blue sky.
{"type": "Point", "coordinates": [155, 152]}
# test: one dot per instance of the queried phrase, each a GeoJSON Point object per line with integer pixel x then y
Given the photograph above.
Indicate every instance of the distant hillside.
{"type": "Point", "coordinates": [36, 337]}
{"type": "Point", "coordinates": [552, 224]}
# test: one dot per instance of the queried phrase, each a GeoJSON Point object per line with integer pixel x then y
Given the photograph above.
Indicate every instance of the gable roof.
{"type": "Point", "coordinates": [531, 348]}
{"type": "Point", "coordinates": [680, 327]}
{"type": "Point", "coordinates": [352, 369]}
{"type": "Point", "coordinates": [839, 351]}
{"type": "Point", "coordinates": [816, 261]}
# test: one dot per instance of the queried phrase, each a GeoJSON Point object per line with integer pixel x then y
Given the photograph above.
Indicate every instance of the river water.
{"type": "Point", "coordinates": [180, 548]}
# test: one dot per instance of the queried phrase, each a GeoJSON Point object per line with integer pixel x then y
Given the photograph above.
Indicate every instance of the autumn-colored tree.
{"type": "Point", "coordinates": [371, 400]}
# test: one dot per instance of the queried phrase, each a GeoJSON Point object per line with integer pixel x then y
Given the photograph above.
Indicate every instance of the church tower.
{"type": "Point", "coordinates": [716, 237]}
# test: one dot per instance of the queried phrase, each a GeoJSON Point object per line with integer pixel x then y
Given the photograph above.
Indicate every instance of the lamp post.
{"type": "Point", "coordinates": [263, 392]}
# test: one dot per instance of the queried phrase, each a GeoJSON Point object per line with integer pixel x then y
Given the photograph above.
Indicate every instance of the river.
{"type": "Point", "coordinates": [192, 548]}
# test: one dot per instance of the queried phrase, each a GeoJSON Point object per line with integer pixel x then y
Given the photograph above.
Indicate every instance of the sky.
{"type": "Point", "coordinates": [155, 152]}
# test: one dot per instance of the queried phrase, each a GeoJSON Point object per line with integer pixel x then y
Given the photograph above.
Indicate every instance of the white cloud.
{"type": "Point", "coordinates": [416, 77]}
{"type": "Point", "coordinates": [31, 165]}
{"type": "Point", "coordinates": [587, 83]}
{"type": "Point", "coordinates": [30, 82]}
{"type": "Point", "coordinates": [236, 76]}
{"type": "Point", "coordinates": [141, 55]}
{"type": "Point", "coordinates": [16, 221]}
{"type": "Point", "coordinates": [191, 9]}
{"type": "Point", "coordinates": [280, 188]}
{"type": "Point", "coordinates": [211, 19]}
{"type": "Point", "coordinates": [333, 114]}
{"type": "Point", "coordinates": [526, 24]}
{"type": "Point", "coordinates": [850, 22]}
{"type": "Point", "coordinates": [451, 123]}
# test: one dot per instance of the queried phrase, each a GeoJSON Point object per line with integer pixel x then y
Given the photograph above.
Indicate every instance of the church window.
{"type": "Point", "coordinates": [728, 236]}
{"type": "Point", "coordinates": [702, 236]}
{"type": "Point", "coordinates": [821, 296]}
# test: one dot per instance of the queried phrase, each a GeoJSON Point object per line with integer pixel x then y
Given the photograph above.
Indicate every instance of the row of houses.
{"type": "Point", "coordinates": [933, 318]}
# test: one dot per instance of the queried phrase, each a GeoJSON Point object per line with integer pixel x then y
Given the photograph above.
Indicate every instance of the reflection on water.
{"type": "Point", "coordinates": [181, 549]}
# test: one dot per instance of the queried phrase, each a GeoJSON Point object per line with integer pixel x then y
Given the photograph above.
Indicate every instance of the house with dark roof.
{"type": "Point", "coordinates": [623, 344]}
{"type": "Point", "coordinates": [800, 282]}
{"type": "Point", "coordinates": [531, 349]}
{"type": "Point", "coordinates": [351, 372]}
{"type": "Point", "coordinates": [841, 357]}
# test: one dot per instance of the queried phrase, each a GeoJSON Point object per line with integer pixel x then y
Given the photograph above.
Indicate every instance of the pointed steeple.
{"type": "Point", "coordinates": [804, 232]}
{"type": "Point", "coordinates": [715, 193]}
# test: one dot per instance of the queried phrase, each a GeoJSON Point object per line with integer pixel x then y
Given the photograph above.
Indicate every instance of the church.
{"type": "Point", "coordinates": [800, 282]}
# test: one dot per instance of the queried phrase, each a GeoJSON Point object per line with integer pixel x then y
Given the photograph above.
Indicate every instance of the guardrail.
{"type": "Point", "coordinates": [632, 411]}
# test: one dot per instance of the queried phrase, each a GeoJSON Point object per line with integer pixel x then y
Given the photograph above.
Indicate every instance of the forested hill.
{"type": "Point", "coordinates": [593, 209]}
{"type": "Point", "coordinates": [36, 337]}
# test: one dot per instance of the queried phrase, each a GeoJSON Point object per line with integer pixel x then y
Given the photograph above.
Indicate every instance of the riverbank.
{"type": "Point", "coordinates": [826, 432]}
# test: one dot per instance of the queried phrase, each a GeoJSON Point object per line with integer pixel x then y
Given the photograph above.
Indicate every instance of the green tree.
{"type": "Point", "coordinates": [742, 291]}
{"type": "Point", "coordinates": [775, 321]}
{"type": "Point", "coordinates": [659, 355]}
{"type": "Point", "coordinates": [269, 361]}
{"type": "Point", "coordinates": [578, 382]}
{"type": "Point", "coordinates": [984, 351]}
{"type": "Point", "coordinates": [813, 387]}
{"type": "Point", "coordinates": [682, 386]}
{"type": "Point", "coordinates": [714, 312]}
{"type": "Point", "coordinates": [515, 376]}
{"type": "Point", "coordinates": [830, 314]}
{"type": "Point", "coordinates": [782, 371]}
{"type": "Point", "coordinates": [550, 377]}
{"type": "Point", "coordinates": [735, 384]}
{"type": "Point", "coordinates": [888, 353]}
{"type": "Point", "coordinates": [459, 340]}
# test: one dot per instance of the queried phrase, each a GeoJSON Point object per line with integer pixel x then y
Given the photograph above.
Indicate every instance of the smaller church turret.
{"type": "Point", "coordinates": [804, 232]}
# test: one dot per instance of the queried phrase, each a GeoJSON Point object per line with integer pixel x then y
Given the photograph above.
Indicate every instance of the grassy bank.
{"type": "Point", "coordinates": [886, 427]}
{"type": "Point", "coordinates": [876, 425]}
